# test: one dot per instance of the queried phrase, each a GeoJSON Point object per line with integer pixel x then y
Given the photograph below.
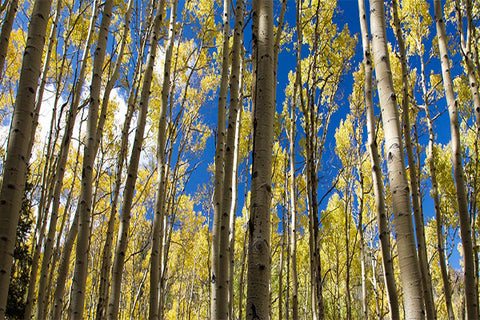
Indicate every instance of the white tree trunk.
{"type": "Point", "coordinates": [15, 165]}
{"type": "Point", "coordinates": [471, 294]}
{"type": "Point", "coordinates": [258, 282]}
{"type": "Point", "coordinates": [378, 189]}
{"type": "Point", "coordinates": [90, 150]}
{"type": "Point", "coordinates": [414, 182]}
{"type": "Point", "coordinates": [407, 256]}
{"type": "Point", "coordinates": [6, 31]}
{"type": "Point", "coordinates": [219, 272]}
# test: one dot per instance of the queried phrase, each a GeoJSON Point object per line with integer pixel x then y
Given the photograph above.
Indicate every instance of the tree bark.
{"type": "Point", "coordinates": [15, 165]}
{"type": "Point", "coordinates": [147, 80]}
{"type": "Point", "coordinates": [103, 289]}
{"type": "Point", "coordinates": [414, 182]}
{"type": "Point", "coordinates": [471, 294]}
{"type": "Point", "coordinates": [378, 190]}
{"type": "Point", "coordinates": [409, 269]}
{"type": "Point", "coordinates": [90, 151]}
{"type": "Point", "coordinates": [6, 31]}
{"type": "Point", "coordinates": [258, 277]}
{"type": "Point", "coordinates": [232, 145]}
{"type": "Point", "coordinates": [219, 272]}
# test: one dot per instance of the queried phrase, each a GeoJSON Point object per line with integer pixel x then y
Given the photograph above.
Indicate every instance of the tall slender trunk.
{"type": "Point", "coordinates": [293, 214]}
{"type": "Point", "coordinates": [219, 272]}
{"type": "Point", "coordinates": [90, 150]}
{"type": "Point", "coordinates": [15, 165]}
{"type": "Point", "coordinates": [471, 294]}
{"type": "Point", "coordinates": [258, 281]}
{"type": "Point", "coordinates": [414, 182]}
{"type": "Point", "coordinates": [147, 81]}
{"type": "Point", "coordinates": [64, 263]}
{"type": "Point", "coordinates": [408, 261]}
{"type": "Point", "coordinates": [6, 31]}
{"type": "Point", "coordinates": [361, 234]}
{"type": "Point", "coordinates": [292, 184]}
{"type": "Point", "coordinates": [430, 162]}
{"type": "Point", "coordinates": [467, 53]}
{"type": "Point", "coordinates": [236, 106]}
{"type": "Point", "coordinates": [468, 56]}
{"type": "Point", "coordinates": [103, 289]}
{"type": "Point", "coordinates": [227, 220]}
{"type": "Point", "coordinates": [382, 221]}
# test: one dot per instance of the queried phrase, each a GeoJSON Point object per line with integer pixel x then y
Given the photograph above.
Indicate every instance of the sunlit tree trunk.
{"type": "Point", "coordinates": [101, 309]}
{"type": "Point", "coordinates": [156, 267]}
{"type": "Point", "coordinates": [471, 294]}
{"type": "Point", "coordinates": [60, 166]}
{"type": "Point", "coordinates": [219, 272]}
{"type": "Point", "coordinates": [6, 31]}
{"type": "Point", "coordinates": [414, 182]}
{"type": "Point", "coordinates": [122, 240]}
{"type": "Point", "coordinates": [407, 256]}
{"type": "Point", "coordinates": [15, 165]}
{"type": "Point", "coordinates": [430, 162]}
{"type": "Point", "coordinates": [466, 50]}
{"type": "Point", "coordinates": [293, 214]}
{"type": "Point", "coordinates": [64, 263]}
{"type": "Point", "coordinates": [292, 182]}
{"type": "Point", "coordinates": [229, 202]}
{"type": "Point", "coordinates": [258, 276]}
{"type": "Point", "coordinates": [157, 221]}
{"type": "Point", "coordinates": [90, 150]}
{"type": "Point", "coordinates": [382, 220]}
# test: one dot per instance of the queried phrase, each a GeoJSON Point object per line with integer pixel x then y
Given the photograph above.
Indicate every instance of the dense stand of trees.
{"type": "Point", "coordinates": [115, 205]}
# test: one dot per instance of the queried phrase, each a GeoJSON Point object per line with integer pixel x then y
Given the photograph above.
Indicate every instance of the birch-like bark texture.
{"type": "Point", "coordinates": [158, 220]}
{"type": "Point", "coordinates": [90, 150]}
{"type": "Point", "coordinates": [467, 53]}
{"type": "Point", "coordinates": [6, 31]}
{"type": "Point", "coordinates": [430, 162]}
{"type": "Point", "coordinates": [414, 181]}
{"type": "Point", "coordinates": [407, 254]}
{"type": "Point", "coordinates": [229, 202]}
{"type": "Point", "coordinates": [147, 81]}
{"type": "Point", "coordinates": [471, 294]}
{"type": "Point", "coordinates": [15, 165]}
{"type": "Point", "coordinates": [128, 194]}
{"type": "Point", "coordinates": [258, 277]}
{"type": "Point", "coordinates": [64, 263]}
{"type": "Point", "coordinates": [103, 291]}
{"type": "Point", "coordinates": [292, 182]}
{"type": "Point", "coordinates": [219, 276]}
{"type": "Point", "coordinates": [122, 241]}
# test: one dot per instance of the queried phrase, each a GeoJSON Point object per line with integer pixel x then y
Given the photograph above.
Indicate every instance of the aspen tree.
{"type": "Point", "coordinates": [466, 48]}
{"type": "Point", "coordinates": [219, 272]}
{"type": "Point", "coordinates": [258, 282]}
{"type": "Point", "coordinates": [128, 194]}
{"type": "Point", "coordinates": [15, 165]}
{"type": "Point", "coordinates": [64, 263]}
{"type": "Point", "coordinates": [298, 90]}
{"type": "Point", "coordinates": [90, 151]}
{"type": "Point", "coordinates": [144, 100]}
{"type": "Point", "coordinates": [100, 312]}
{"type": "Point", "coordinates": [158, 222]}
{"type": "Point", "coordinates": [430, 161]}
{"type": "Point", "coordinates": [229, 201]}
{"type": "Point", "coordinates": [414, 182]}
{"type": "Point", "coordinates": [409, 269]}
{"type": "Point", "coordinates": [471, 294]}
{"type": "Point", "coordinates": [57, 182]}
{"type": "Point", "coordinates": [5, 32]}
